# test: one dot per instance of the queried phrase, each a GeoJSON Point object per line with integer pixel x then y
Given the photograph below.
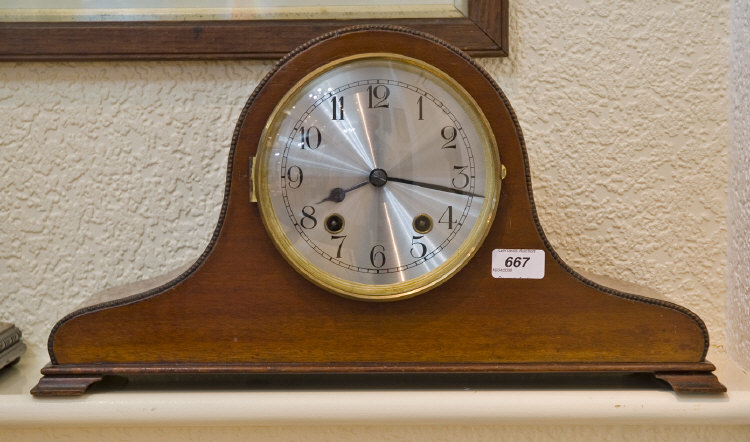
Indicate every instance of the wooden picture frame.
{"type": "Point", "coordinates": [483, 32]}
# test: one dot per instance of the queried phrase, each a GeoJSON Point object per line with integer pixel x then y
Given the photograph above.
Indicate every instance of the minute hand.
{"type": "Point", "coordinates": [434, 186]}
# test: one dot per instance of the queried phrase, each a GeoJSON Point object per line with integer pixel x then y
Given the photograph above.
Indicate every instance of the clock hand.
{"type": "Point", "coordinates": [337, 193]}
{"type": "Point", "coordinates": [378, 178]}
{"type": "Point", "coordinates": [434, 187]}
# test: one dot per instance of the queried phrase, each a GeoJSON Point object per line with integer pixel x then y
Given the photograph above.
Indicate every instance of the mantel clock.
{"type": "Point", "coordinates": [377, 218]}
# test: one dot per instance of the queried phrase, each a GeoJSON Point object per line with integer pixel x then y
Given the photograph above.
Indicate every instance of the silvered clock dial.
{"type": "Point", "coordinates": [377, 177]}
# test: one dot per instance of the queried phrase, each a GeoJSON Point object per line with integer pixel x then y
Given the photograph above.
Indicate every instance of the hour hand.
{"type": "Point", "coordinates": [338, 194]}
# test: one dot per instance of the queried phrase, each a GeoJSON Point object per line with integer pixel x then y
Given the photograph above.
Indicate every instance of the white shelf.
{"type": "Point", "coordinates": [394, 406]}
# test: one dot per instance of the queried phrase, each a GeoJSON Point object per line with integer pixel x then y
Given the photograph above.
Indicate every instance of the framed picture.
{"type": "Point", "coordinates": [229, 29]}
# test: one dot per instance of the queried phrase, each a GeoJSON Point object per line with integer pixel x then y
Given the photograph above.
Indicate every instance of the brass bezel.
{"type": "Point", "coordinates": [414, 286]}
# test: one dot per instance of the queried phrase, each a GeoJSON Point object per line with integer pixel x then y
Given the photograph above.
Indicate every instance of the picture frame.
{"type": "Point", "coordinates": [481, 32]}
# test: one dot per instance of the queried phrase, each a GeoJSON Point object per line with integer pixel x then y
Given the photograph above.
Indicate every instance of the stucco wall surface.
{"type": "Point", "coordinates": [114, 172]}
{"type": "Point", "coordinates": [738, 255]}
{"type": "Point", "coordinates": [624, 109]}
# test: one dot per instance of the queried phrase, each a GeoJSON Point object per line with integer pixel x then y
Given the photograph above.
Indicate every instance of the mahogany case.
{"type": "Point", "coordinates": [240, 308]}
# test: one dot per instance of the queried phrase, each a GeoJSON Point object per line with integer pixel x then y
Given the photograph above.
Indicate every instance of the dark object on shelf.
{"type": "Point", "coordinates": [11, 346]}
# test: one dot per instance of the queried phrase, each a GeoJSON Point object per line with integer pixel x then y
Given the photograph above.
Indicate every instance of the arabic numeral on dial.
{"type": "Point", "coordinates": [337, 108]}
{"type": "Point", "coordinates": [447, 218]}
{"type": "Point", "coordinates": [377, 256]}
{"type": "Point", "coordinates": [342, 238]}
{"type": "Point", "coordinates": [308, 221]}
{"type": "Point", "coordinates": [294, 177]}
{"type": "Point", "coordinates": [463, 179]}
{"type": "Point", "coordinates": [419, 104]}
{"type": "Point", "coordinates": [449, 135]}
{"type": "Point", "coordinates": [316, 138]}
{"type": "Point", "coordinates": [380, 93]}
{"type": "Point", "coordinates": [422, 249]}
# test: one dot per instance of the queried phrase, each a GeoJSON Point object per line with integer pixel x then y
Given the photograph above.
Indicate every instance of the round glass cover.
{"type": "Point", "coordinates": [377, 177]}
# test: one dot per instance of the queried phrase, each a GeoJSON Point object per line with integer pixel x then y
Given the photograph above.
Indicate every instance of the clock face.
{"type": "Point", "coordinates": [377, 177]}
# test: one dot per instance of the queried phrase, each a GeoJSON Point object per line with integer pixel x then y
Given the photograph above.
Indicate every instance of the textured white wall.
{"type": "Point", "coordinates": [738, 274]}
{"type": "Point", "coordinates": [624, 109]}
{"type": "Point", "coordinates": [110, 172]}
{"type": "Point", "coordinates": [113, 172]}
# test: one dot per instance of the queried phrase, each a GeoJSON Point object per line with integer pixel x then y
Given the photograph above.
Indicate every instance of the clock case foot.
{"type": "Point", "coordinates": [691, 381]}
{"type": "Point", "coordinates": [74, 380]}
{"type": "Point", "coordinates": [241, 309]}
{"type": "Point", "coordinates": [68, 384]}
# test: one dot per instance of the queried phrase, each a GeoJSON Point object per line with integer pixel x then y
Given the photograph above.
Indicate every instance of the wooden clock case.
{"type": "Point", "coordinates": [240, 308]}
